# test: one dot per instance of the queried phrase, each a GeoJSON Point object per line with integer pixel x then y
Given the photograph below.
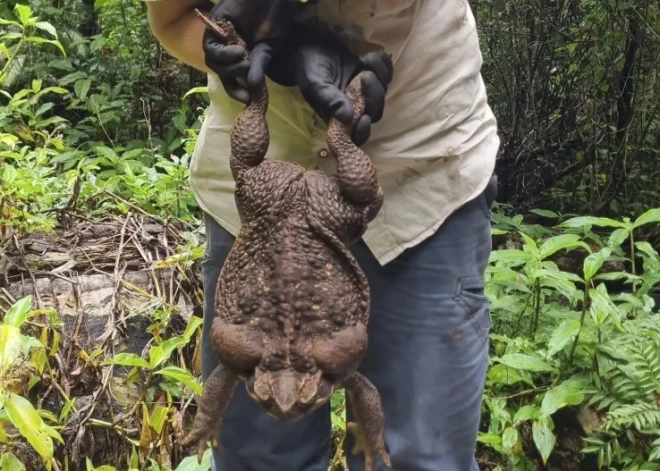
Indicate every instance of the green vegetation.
{"type": "Point", "coordinates": [97, 126]}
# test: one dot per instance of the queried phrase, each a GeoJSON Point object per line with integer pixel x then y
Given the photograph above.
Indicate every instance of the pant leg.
{"type": "Point", "coordinates": [250, 439]}
{"type": "Point", "coordinates": [428, 344]}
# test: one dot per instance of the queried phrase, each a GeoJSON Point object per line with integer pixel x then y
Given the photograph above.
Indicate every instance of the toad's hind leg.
{"type": "Point", "coordinates": [356, 172]}
{"type": "Point", "coordinates": [219, 388]}
{"type": "Point", "coordinates": [368, 429]}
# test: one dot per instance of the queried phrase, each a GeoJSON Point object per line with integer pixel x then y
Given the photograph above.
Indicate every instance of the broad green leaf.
{"type": "Point", "coordinates": [510, 257]}
{"type": "Point", "coordinates": [561, 396]}
{"type": "Point", "coordinates": [530, 245]}
{"type": "Point", "coordinates": [545, 213]}
{"type": "Point", "coordinates": [182, 376]}
{"type": "Point", "coordinates": [54, 42]}
{"type": "Point", "coordinates": [192, 326]}
{"type": "Point", "coordinates": [10, 346]}
{"type": "Point", "coordinates": [544, 439]}
{"type": "Point", "coordinates": [9, 174]}
{"type": "Point", "coordinates": [157, 418]}
{"type": "Point", "coordinates": [203, 90]}
{"type": "Point", "coordinates": [525, 413]}
{"type": "Point", "coordinates": [28, 422]}
{"type": "Point", "coordinates": [647, 249]}
{"type": "Point", "coordinates": [128, 359]}
{"type": "Point", "coordinates": [46, 26]}
{"type": "Point", "coordinates": [583, 221]}
{"type": "Point", "coordinates": [17, 313]}
{"type": "Point", "coordinates": [190, 463]}
{"type": "Point", "coordinates": [650, 216]}
{"type": "Point", "coordinates": [561, 242]}
{"type": "Point", "coordinates": [617, 237]}
{"type": "Point", "coordinates": [81, 87]}
{"type": "Point", "coordinates": [489, 438]}
{"type": "Point", "coordinates": [24, 13]}
{"type": "Point", "coordinates": [525, 362]}
{"type": "Point", "coordinates": [9, 462]}
{"type": "Point", "coordinates": [594, 261]}
{"type": "Point", "coordinates": [509, 438]}
{"type": "Point", "coordinates": [8, 22]}
{"type": "Point", "coordinates": [502, 374]}
{"type": "Point", "coordinates": [162, 352]}
{"type": "Point", "coordinates": [563, 335]}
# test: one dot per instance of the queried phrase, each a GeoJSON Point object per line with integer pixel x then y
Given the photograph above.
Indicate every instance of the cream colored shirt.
{"type": "Point", "coordinates": [434, 148]}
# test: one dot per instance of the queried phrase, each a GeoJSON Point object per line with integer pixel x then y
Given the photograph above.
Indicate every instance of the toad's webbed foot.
{"type": "Point", "coordinates": [218, 390]}
{"type": "Point", "coordinates": [368, 429]}
{"type": "Point", "coordinates": [357, 174]}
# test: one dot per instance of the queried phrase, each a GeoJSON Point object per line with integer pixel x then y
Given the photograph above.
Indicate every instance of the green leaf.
{"type": "Point", "coordinates": [509, 438]}
{"type": "Point", "coordinates": [192, 326]}
{"type": "Point", "coordinates": [647, 249]}
{"type": "Point", "coordinates": [502, 374]}
{"type": "Point", "coordinates": [128, 359]}
{"type": "Point", "coordinates": [24, 13]}
{"type": "Point", "coordinates": [525, 362]}
{"type": "Point", "coordinates": [530, 245]}
{"type": "Point", "coordinates": [561, 396]}
{"type": "Point", "coordinates": [510, 257]}
{"type": "Point", "coordinates": [9, 173]}
{"type": "Point", "coordinates": [617, 237]}
{"type": "Point", "coordinates": [10, 346]}
{"type": "Point", "coordinates": [583, 221]}
{"type": "Point", "coordinates": [650, 216]}
{"type": "Point", "coordinates": [545, 213]}
{"type": "Point", "coordinates": [162, 352]}
{"type": "Point", "coordinates": [561, 242]}
{"type": "Point", "coordinates": [157, 418]}
{"type": "Point", "coordinates": [9, 462]}
{"type": "Point", "coordinates": [46, 26]}
{"type": "Point", "coordinates": [562, 335]}
{"type": "Point", "coordinates": [182, 376]}
{"type": "Point", "coordinates": [54, 42]}
{"type": "Point", "coordinates": [190, 463]}
{"type": "Point", "coordinates": [28, 422]}
{"type": "Point", "coordinates": [81, 87]}
{"type": "Point", "coordinates": [203, 90]}
{"type": "Point", "coordinates": [595, 261]}
{"type": "Point", "coordinates": [525, 413]}
{"type": "Point", "coordinates": [17, 313]}
{"type": "Point", "coordinates": [544, 439]}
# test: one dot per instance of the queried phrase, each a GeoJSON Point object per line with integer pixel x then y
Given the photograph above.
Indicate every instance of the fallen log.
{"type": "Point", "coordinates": [116, 285]}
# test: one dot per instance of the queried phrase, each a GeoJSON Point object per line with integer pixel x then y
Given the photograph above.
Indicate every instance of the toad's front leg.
{"type": "Point", "coordinates": [357, 174]}
{"type": "Point", "coordinates": [368, 429]}
{"type": "Point", "coordinates": [219, 387]}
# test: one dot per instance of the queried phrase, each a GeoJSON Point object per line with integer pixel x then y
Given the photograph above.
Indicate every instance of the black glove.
{"type": "Point", "coordinates": [264, 25]}
{"type": "Point", "coordinates": [322, 68]}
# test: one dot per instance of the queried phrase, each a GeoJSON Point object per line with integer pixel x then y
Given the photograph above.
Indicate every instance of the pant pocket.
{"type": "Point", "coordinates": [471, 296]}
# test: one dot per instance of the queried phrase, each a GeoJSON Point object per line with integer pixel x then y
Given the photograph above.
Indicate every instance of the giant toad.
{"type": "Point", "coordinates": [292, 304]}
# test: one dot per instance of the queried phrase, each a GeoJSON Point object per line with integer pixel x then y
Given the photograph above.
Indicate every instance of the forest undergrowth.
{"type": "Point", "coordinates": [574, 374]}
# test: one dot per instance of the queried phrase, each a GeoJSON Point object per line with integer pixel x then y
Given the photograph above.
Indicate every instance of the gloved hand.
{"type": "Point", "coordinates": [322, 68]}
{"type": "Point", "coordinates": [263, 25]}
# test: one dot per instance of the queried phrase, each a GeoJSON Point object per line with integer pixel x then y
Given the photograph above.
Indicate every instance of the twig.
{"type": "Point", "coordinates": [216, 28]}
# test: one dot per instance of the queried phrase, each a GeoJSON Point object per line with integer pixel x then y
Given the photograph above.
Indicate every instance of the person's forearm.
{"type": "Point", "coordinates": [179, 30]}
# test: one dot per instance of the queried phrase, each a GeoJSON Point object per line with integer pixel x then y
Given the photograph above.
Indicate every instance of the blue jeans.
{"type": "Point", "coordinates": [427, 355]}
